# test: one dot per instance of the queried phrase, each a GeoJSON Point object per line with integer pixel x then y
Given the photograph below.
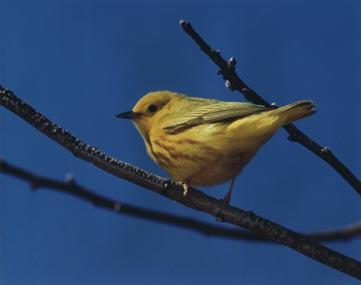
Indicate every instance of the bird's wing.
{"type": "Point", "coordinates": [217, 112]}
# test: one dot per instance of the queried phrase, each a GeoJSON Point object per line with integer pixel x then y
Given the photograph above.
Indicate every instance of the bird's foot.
{"type": "Point", "coordinates": [225, 201]}
{"type": "Point", "coordinates": [186, 183]}
{"type": "Point", "coordinates": [185, 188]}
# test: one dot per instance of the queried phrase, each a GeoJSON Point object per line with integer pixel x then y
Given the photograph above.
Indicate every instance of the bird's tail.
{"type": "Point", "coordinates": [296, 111]}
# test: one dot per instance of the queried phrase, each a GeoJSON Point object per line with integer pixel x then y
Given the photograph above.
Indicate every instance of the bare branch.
{"type": "Point", "coordinates": [195, 199]}
{"type": "Point", "coordinates": [71, 188]}
{"type": "Point", "coordinates": [234, 82]}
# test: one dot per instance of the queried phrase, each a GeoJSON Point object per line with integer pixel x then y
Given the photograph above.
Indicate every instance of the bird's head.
{"type": "Point", "coordinates": [150, 109]}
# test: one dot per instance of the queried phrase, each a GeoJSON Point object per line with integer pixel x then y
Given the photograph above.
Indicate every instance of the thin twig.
{"type": "Point", "coordinates": [234, 82]}
{"type": "Point", "coordinates": [71, 188]}
{"type": "Point", "coordinates": [195, 199]}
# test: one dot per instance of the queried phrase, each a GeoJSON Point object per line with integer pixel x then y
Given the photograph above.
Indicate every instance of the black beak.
{"type": "Point", "coordinates": [128, 115]}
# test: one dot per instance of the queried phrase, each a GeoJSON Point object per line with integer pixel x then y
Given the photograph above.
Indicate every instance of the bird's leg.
{"type": "Point", "coordinates": [227, 198]}
{"type": "Point", "coordinates": [238, 162]}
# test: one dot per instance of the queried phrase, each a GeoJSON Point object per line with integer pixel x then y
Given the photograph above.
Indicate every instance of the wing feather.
{"type": "Point", "coordinates": [214, 112]}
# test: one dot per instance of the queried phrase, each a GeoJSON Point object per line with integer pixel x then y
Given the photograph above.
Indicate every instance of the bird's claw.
{"type": "Point", "coordinates": [186, 189]}
{"type": "Point", "coordinates": [225, 201]}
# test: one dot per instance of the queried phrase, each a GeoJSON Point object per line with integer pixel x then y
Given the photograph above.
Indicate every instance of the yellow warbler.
{"type": "Point", "coordinates": [205, 142]}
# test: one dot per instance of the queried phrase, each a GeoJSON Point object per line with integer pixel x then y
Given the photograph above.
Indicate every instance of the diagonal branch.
{"type": "Point", "coordinates": [167, 188]}
{"type": "Point", "coordinates": [234, 82]}
{"type": "Point", "coordinates": [71, 188]}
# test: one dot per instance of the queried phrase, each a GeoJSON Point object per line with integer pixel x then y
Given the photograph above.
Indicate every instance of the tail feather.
{"type": "Point", "coordinates": [296, 111]}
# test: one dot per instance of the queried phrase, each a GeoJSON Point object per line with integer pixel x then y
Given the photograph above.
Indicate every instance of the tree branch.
{"type": "Point", "coordinates": [195, 199]}
{"type": "Point", "coordinates": [234, 82]}
{"type": "Point", "coordinates": [73, 189]}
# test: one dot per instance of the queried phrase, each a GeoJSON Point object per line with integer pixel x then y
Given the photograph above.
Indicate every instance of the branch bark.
{"type": "Point", "coordinates": [73, 189]}
{"type": "Point", "coordinates": [234, 82]}
{"type": "Point", "coordinates": [195, 199]}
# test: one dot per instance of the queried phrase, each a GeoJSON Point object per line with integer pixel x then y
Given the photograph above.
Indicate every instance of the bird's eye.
{"type": "Point", "coordinates": [152, 108]}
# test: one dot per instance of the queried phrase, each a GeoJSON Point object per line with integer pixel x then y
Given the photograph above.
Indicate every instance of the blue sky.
{"type": "Point", "coordinates": [82, 62]}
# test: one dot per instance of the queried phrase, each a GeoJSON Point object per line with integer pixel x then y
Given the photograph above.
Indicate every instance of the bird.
{"type": "Point", "coordinates": [206, 142]}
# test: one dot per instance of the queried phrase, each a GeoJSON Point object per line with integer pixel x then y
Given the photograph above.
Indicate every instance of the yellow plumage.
{"type": "Point", "coordinates": [204, 142]}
